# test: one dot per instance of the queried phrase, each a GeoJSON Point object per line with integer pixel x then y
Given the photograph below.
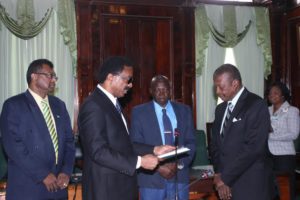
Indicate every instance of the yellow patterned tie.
{"type": "Point", "coordinates": [49, 121]}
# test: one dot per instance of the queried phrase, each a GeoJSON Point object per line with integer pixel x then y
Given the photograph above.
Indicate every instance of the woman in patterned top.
{"type": "Point", "coordinates": [285, 129]}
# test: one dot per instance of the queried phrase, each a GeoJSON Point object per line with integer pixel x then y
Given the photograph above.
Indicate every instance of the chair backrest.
{"type": "Point", "coordinates": [201, 157]}
{"type": "Point", "coordinates": [3, 162]}
{"type": "Point", "coordinates": [208, 134]}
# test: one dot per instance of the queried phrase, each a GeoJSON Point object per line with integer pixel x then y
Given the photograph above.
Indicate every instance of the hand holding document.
{"type": "Point", "coordinates": [162, 149]}
{"type": "Point", "coordinates": [170, 154]}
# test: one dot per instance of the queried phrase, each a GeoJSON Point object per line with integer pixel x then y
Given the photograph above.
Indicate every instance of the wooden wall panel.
{"type": "Point", "coordinates": [285, 23]}
{"type": "Point", "coordinates": [159, 39]}
{"type": "Point", "coordinates": [293, 59]}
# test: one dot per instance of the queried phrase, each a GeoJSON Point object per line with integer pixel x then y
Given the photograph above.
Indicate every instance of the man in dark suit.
{"type": "Point", "coordinates": [239, 139]}
{"type": "Point", "coordinates": [147, 126]}
{"type": "Point", "coordinates": [39, 145]}
{"type": "Point", "coordinates": [110, 161]}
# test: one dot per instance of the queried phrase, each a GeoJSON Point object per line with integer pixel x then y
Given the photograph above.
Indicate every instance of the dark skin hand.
{"type": "Point", "coordinates": [224, 191]}
{"type": "Point", "coordinates": [63, 180]}
{"type": "Point", "coordinates": [167, 170]}
{"type": "Point", "coordinates": [51, 183]}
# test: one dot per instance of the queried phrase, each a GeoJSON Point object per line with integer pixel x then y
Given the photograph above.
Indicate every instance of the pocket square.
{"type": "Point", "coordinates": [236, 120]}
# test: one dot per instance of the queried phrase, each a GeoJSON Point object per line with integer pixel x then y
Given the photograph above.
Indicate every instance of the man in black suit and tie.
{"type": "Point", "coordinates": [110, 159]}
{"type": "Point", "coordinates": [239, 139]}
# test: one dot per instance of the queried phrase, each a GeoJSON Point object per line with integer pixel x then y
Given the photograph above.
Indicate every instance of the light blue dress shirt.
{"type": "Point", "coordinates": [171, 115]}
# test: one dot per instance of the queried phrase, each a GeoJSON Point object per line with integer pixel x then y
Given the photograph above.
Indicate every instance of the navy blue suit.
{"type": "Point", "coordinates": [145, 129]}
{"type": "Point", "coordinates": [29, 147]}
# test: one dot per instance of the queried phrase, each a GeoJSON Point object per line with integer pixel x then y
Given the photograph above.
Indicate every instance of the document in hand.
{"type": "Point", "coordinates": [170, 154]}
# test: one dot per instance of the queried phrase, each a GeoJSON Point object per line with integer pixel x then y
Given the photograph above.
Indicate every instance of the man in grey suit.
{"type": "Point", "coordinates": [110, 162]}
{"type": "Point", "coordinates": [239, 139]}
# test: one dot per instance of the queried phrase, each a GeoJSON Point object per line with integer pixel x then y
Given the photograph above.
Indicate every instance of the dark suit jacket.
{"type": "Point", "coordinates": [109, 159]}
{"type": "Point", "coordinates": [145, 129]}
{"type": "Point", "coordinates": [241, 156]}
{"type": "Point", "coordinates": [29, 147]}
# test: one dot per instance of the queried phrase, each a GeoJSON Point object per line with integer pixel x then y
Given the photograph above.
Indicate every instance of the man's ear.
{"type": "Point", "coordinates": [235, 83]}
{"type": "Point", "coordinates": [110, 77]}
{"type": "Point", "coordinates": [33, 76]}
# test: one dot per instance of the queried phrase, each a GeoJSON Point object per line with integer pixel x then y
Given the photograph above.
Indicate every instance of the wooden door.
{"type": "Point", "coordinates": [293, 59]}
{"type": "Point", "coordinates": [158, 39]}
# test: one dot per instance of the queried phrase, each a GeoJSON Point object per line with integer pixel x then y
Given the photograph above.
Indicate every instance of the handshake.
{"type": "Point", "coordinates": [150, 161]}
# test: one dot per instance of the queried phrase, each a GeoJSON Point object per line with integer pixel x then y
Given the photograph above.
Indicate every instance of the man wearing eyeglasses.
{"type": "Point", "coordinates": [110, 159]}
{"type": "Point", "coordinates": [37, 137]}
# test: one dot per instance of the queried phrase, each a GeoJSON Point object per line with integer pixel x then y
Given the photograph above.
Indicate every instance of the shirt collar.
{"type": "Point", "coordinates": [237, 96]}
{"type": "Point", "coordinates": [38, 99]}
{"type": "Point", "coordinates": [108, 94]}
{"type": "Point", "coordinates": [158, 107]}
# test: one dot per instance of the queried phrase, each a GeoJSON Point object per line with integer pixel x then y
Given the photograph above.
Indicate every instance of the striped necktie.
{"type": "Point", "coordinates": [50, 124]}
{"type": "Point", "coordinates": [228, 113]}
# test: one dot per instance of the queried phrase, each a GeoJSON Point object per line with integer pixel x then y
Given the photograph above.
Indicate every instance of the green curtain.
{"type": "Point", "coordinates": [230, 38]}
{"type": "Point", "coordinates": [263, 37]}
{"type": "Point", "coordinates": [24, 27]}
{"type": "Point", "coordinates": [67, 22]}
{"type": "Point", "coordinates": [201, 37]}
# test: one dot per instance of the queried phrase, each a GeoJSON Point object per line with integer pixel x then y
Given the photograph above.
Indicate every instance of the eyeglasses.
{"type": "Point", "coordinates": [128, 79]}
{"type": "Point", "coordinates": [48, 75]}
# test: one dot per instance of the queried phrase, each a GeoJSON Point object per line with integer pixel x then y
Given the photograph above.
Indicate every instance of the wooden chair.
{"type": "Point", "coordinates": [283, 186]}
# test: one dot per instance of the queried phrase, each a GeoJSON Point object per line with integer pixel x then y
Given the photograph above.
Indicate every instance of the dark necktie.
{"type": "Point", "coordinates": [228, 113]}
{"type": "Point", "coordinates": [118, 107]}
{"type": "Point", "coordinates": [167, 128]}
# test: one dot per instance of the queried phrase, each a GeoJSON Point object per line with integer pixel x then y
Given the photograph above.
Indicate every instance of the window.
{"type": "Point", "coordinates": [229, 58]}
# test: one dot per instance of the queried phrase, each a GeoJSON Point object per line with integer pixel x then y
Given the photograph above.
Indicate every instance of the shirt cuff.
{"type": "Point", "coordinates": [138, 164]}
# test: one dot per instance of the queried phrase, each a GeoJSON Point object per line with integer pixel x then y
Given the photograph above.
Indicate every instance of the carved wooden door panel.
{"type": "Point", "coordinates": [293, 60]}
{"type": "Point", "coordinates": [158, 39]}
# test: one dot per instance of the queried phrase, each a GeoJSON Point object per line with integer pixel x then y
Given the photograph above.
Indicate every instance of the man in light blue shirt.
{"type": "Point", "coordinates": [154, 123]}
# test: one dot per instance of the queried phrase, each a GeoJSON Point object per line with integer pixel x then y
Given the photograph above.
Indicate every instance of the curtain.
{"type": "Point", "coordinates": [249, 56]}
{"type": "Point", "coordinates": [55, 42]}
{"type": "Point", "coordinates": [214, 57]}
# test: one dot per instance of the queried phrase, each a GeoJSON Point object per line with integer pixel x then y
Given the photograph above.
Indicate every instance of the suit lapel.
{"type": "Point", "coordinates": [101, 97]}
{"type": "Point", "coordinates": [39, 121]}
{"type": "Point", "coordinates": [237, 109]}
{"type": "Point", "coordinates": [179, 119]}
{"type": "Point", "coordinates": [38, 117]}
{"type": "Point", "coordinates": [153, 120]}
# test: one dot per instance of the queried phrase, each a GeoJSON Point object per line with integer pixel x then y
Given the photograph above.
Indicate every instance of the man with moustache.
{"type": "Point", "coordinates": [37, 137]}
{"type": "Point", "coordinates": [110, 159]}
